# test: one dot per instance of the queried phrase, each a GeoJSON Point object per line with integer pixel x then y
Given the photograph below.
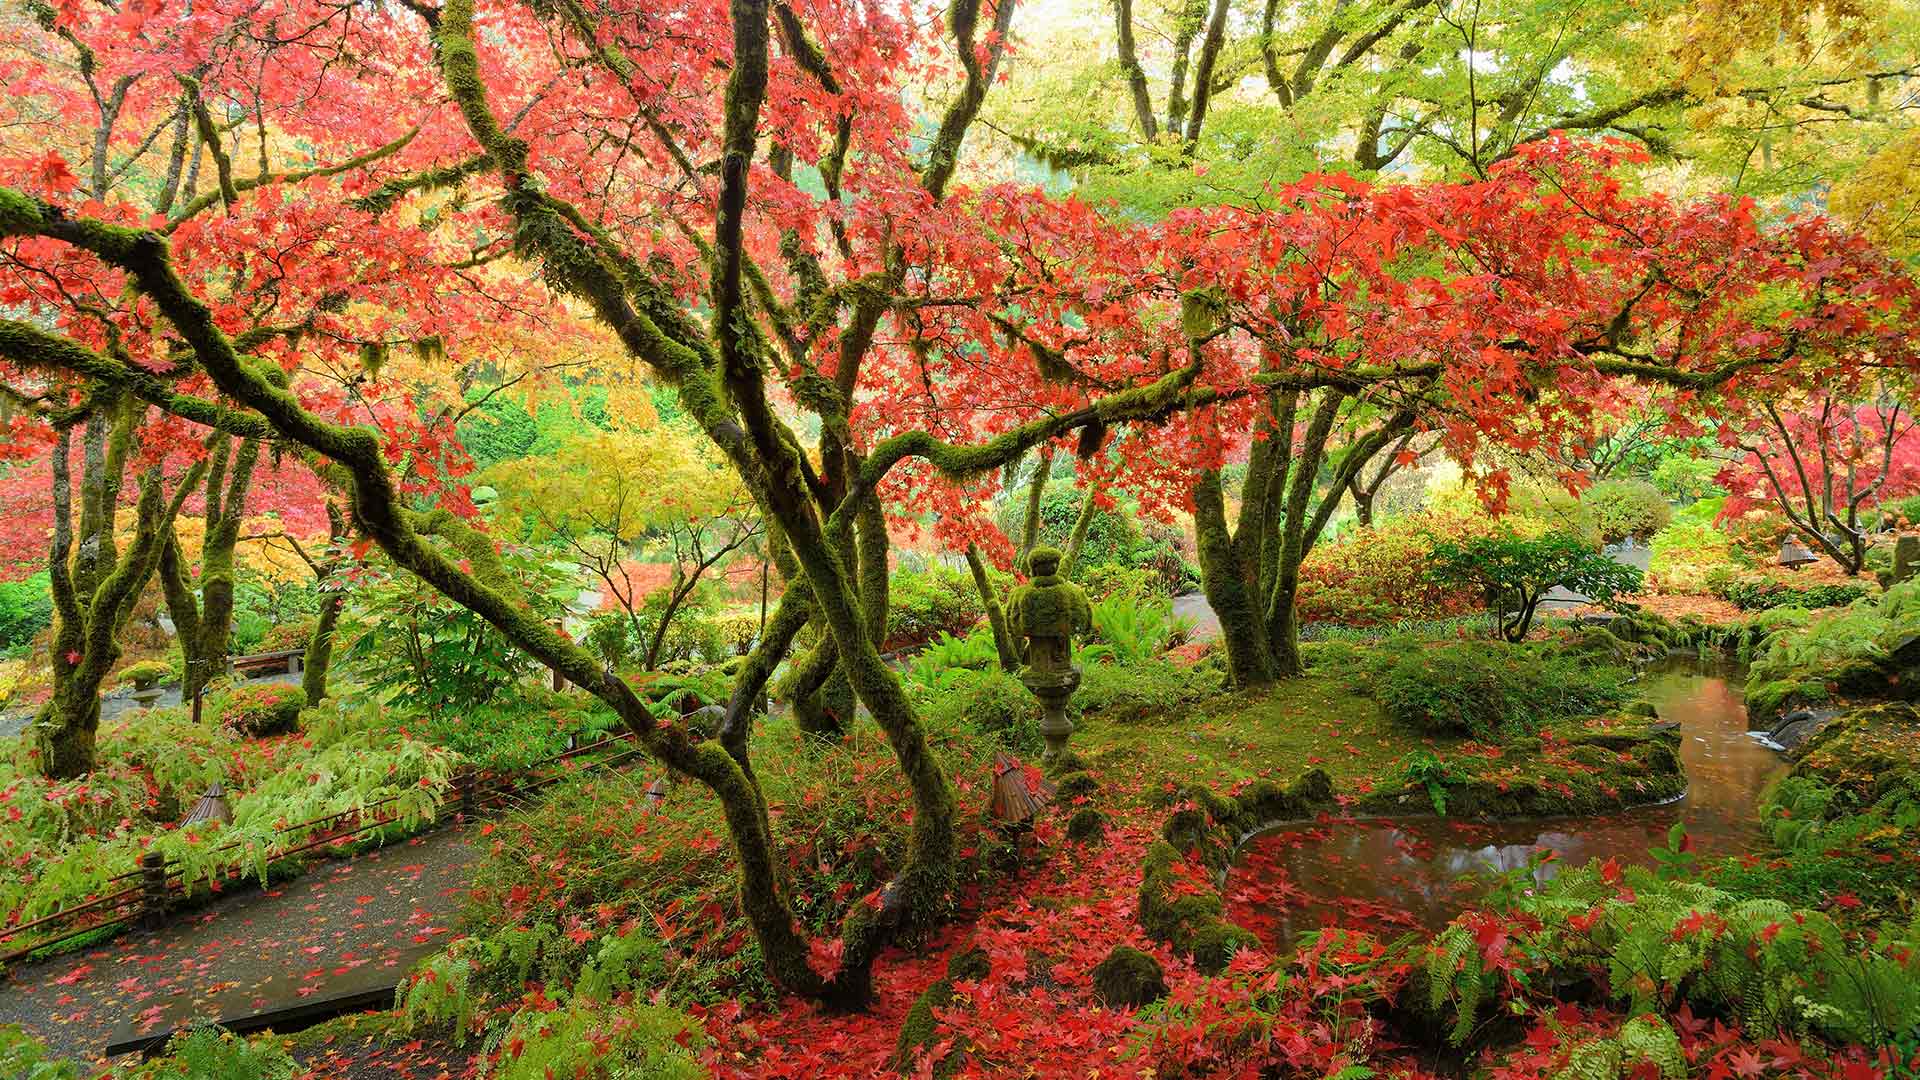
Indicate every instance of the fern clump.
{"type": "Point", "coordinates": [1643, 1044]}
{"type": "Point", "coordinates": [1659, 944]}
{"type": "Point", "coordinates": [592, 1040]}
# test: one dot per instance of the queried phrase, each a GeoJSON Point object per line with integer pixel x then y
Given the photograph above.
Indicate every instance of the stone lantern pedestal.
{"type": "Point", "coordinates": [1054, 689]}
{"type": "Point", "coordinates": [1047, 612]}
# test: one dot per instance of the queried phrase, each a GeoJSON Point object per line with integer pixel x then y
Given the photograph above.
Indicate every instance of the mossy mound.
{"type": "Point", "coordinates": [1180, 902]}
{"type": "Point", "coordinates": [1866, 752]}
{"type": "Point", "coordinates": [1129, 979]}
{"type": "Point", "coordinates": [1585, 767]}
{"type": "Point", "coordinates": [1075, 785]}
{"type": "Point", "coordinates": [1086, 824]}
{"type": "Point", "coordinates": [920, 1030]}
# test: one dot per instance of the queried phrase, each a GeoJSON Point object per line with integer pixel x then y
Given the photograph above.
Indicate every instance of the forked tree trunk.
{"type": "Point", "coordinates": [95, 589]}
{"type": "Point", "coordinates": [204, 625]}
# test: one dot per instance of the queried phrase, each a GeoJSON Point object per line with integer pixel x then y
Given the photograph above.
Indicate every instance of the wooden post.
{"type": "Point", "coordinates": [465, 783]}
{"type": "Point", "coordinates": [153, 890]}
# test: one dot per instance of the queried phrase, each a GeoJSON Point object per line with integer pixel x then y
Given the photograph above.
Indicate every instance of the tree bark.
{"type": "Point", "coordinates": [1226, 579]}
{"type": "Point", "coordinates": [1003, 643]}
{"type": "Point", "coordinates": [87, 622]}
{"type": "Point", "coordinates": [204, 625]}
{"type": "Point", "coordinates": [1077, 539]}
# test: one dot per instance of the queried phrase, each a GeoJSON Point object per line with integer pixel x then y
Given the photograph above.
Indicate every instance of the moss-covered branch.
{"type": "Point", "coordinates": [230, 187]}
{"type": "Point", "coordinates": [27, 346]}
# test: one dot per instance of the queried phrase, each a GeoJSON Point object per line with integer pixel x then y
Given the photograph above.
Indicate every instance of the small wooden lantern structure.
{"type": "Point", "coordinates": [211, 807]}
{"type": "Point", "coordinates": [1018, 794]}
{"type": "Point", "coordinates": [1794, 554]}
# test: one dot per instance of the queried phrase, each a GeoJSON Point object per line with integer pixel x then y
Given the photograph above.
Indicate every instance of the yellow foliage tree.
{"type": "Point", "coordinates": [649, 509]}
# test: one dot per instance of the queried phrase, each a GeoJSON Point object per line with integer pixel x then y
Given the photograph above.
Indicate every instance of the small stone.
{"type": "Point", "coordinates": [1129, 979]}
{"type": "Point", "coordinates": [1075, 784]}
{"type": "Point", "coordinates": [1086, 824]}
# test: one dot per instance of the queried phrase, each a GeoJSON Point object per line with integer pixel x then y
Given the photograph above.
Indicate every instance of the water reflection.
{"type": "Point", "coordinates": [1420, 871]}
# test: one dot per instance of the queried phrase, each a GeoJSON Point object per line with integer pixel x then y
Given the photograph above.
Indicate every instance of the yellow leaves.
{"type": "Point", "coordinates": [1882, 197]}
{"type": "Point", "coordinates": [621, 483]}
{"type": "Point", "coordinates": [1712, 32]}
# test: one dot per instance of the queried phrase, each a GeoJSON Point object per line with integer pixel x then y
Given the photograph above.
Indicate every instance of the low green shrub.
{"type": "Point", "coordinates": [1624, 509]}
{"type": "Point", "coordinates": [523, 724]}
{"type": "Point", "coordinates": [988, 701]}
{"type": "Point", "coordinates": [258, 709]}
{"type": "Point", "coordinates": [1493, 690]}
{"type": "Point", "coordinates": [288, 635]}
{"type": "Point", "coordinates": [922, 604]}
{"type": "Point", "coordinates": [1126, 693]}
{"type": "Point", "coordinates": [26, 608]}
{"type": "Point", "coordinates": [1687, 478]}
{"type": "Point", "coordinates": [1759, 593]}
{"type": "Point", "coordinates": [1102, 580]}
{"type": "Point", "coordinates": [1689, 558]}
{"type": "Point", "coordinates": [145, 674]}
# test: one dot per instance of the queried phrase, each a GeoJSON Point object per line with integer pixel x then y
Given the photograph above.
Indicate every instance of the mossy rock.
{"type": "Point", "coordinates": [1076, 784]}
{"type": "Point", "coordinates": [920, 1030]}
{"type": "Point", "coordinates": [1128, 979]}
{"type": "Point", "coordinates": [1769, 701]}
{"type": "Point", "coordinates": [1068, 762]}
{"type": "Point", "coordinates": [1169, 914]}
{"type": "Point", "coordinates": [1086, 824]}
{"type": "Point", "coordinates": [970, 964]}
{"type": "Point", "coordinates": [1214, 944]}
{"type": "Point", "coordinates": [1600, 644]}
{"type": "Point", "coordinates": [1642, 708]}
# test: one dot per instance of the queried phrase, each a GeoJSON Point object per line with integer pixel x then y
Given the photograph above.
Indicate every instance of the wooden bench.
{"type": "Point", "coordinates": [288, 661]}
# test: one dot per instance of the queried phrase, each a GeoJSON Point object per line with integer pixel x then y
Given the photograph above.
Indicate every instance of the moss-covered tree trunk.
{"type": "Point", "coordinates": [1251, 569]}
{"type": "Point", "coordinates": [1228, 581]}
{"type": "Point", "coordinates": [1003, 643]}
{"type": "Point", "coordinates": [95, 588]}
{"type": "Point", "coordinates": [318, 661]}
{"type": "Point", "coordinates": [1077, 539]}
{"type": "Point", "coordinates": [204, 623]}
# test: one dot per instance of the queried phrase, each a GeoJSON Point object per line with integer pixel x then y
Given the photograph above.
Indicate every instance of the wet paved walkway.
{"type": "Point", "coordinates": [354, 923]}
{"type": "Point", "coordinates": [1194, 607]}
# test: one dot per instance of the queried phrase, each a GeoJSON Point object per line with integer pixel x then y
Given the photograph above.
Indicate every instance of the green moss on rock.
{"type": "Point", "coordinates": [1086, 824]}
{"type": "Point", "coordinates": [1076, 784]}
{"type": "Point", "coordinates": [1214, 944]}
{"type": "Point", "coordinates": [1129, 979]}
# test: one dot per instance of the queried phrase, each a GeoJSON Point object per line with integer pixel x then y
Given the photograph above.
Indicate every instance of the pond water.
{"type": "Point", "coordinates": [1421, 871]}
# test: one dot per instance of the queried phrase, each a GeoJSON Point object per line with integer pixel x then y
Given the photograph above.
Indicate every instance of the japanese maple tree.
{"type": "Point", "coordinates": [1826, 464]}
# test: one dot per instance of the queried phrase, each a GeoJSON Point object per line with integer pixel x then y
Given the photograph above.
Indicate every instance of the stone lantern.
{"type": "Point", "coordinates": [1044, 615]}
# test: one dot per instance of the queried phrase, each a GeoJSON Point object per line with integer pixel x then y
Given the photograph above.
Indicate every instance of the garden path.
{"type": "Point", "coordinates": [1194, 606]}
{"type": "Point", "coordinates": [352, 927]}
{"type": "Point", "coordinates": [118, 702]}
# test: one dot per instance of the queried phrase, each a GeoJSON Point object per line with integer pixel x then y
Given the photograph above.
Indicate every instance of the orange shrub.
{"type": "Point", "coordinates": [1383, 574]}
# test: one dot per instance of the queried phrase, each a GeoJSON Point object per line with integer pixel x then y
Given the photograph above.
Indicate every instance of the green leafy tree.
{"type": "Point", "coordinates": [1515, 572]}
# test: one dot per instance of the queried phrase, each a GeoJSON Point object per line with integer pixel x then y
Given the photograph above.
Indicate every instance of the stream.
{"type": "Point", "coordinates": [1409, 872]}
